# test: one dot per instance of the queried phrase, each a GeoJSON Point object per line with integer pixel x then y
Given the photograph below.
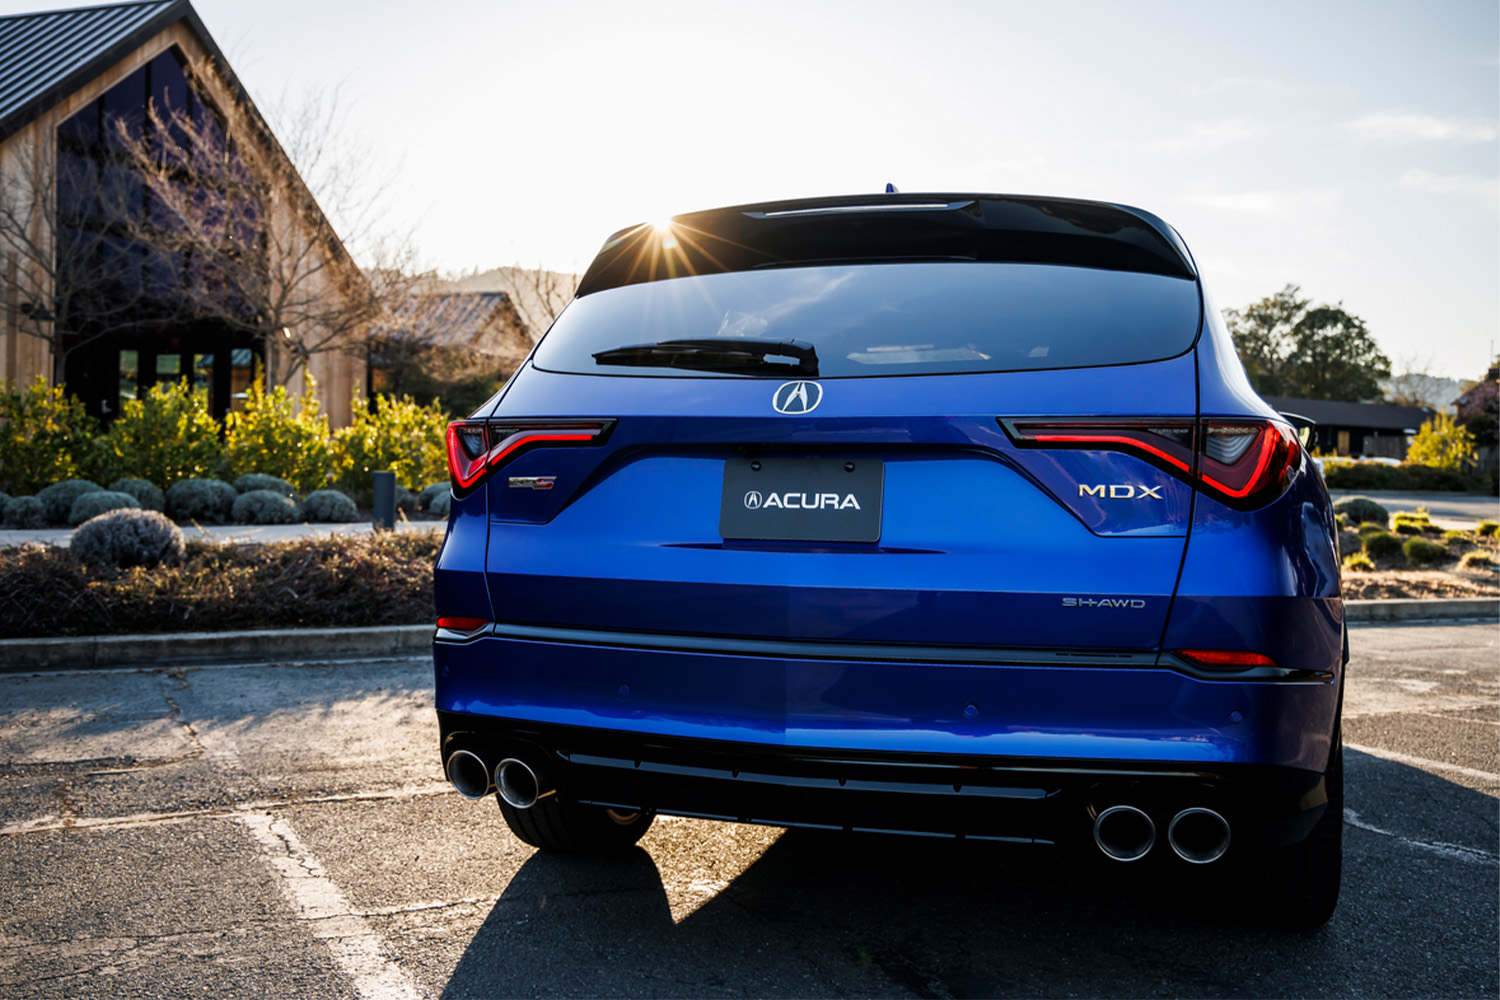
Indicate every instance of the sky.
{"type": "Point", "coordinates": [1350, 148]}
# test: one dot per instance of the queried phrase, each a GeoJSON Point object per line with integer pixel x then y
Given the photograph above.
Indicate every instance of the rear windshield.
{"type": "Point", "coordinates": [875, 319]}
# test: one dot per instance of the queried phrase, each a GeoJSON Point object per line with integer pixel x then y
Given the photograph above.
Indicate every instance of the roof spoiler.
{"type": "Point", "coordinates": [891, 227]}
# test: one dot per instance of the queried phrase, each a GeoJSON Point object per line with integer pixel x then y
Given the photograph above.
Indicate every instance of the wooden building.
{"type": "Point", "coordinates": [85, 297]}
{"type": "Point", "coordinates": [1368, 430]}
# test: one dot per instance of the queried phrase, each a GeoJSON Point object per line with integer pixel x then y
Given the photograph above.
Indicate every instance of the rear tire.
{"type": "Point", "coordinates": [1298, 886]}
{"type": "Point", "coordinates": [570, 828]}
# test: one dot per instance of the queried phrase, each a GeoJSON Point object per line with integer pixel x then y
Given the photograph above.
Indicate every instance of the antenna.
{"type": "Point", "coordinates": [890, 188]}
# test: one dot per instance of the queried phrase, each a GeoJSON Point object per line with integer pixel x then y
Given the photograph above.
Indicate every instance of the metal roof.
{"type": "Point", "coordinates": [44, 57]}
{"type": "Point", "coordinates": [1336, 413]}
{"type": "Point", "coordinates": [451, 319]}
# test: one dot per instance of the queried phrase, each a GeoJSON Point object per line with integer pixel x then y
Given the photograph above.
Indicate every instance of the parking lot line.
{"type": "Point", "coordinates": [1424, 763]}
{"type": "Point", "coordinates": [359, 951]}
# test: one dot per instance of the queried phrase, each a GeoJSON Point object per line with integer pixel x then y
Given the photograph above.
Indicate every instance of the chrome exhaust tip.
{"type": "Point", "coordinates": [1124, 833]}
{"type": "Point", "coordinates": [1199, 836]}
{"type": "Point", "coordinates": [469, 774]}
{"type": "Point", "coordinates": [518, 784]}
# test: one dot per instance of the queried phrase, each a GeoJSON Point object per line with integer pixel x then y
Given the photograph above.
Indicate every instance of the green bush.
{"type": "Point", "coordinates": [91, 505]}
{"type": "Point", "coordinates": [166, 435]}
{"type": "Point", "coordinates": [1457, 536]}
{"type": "Point", "coordinates": [1477, 560]}
{"type": "Point", "coordinates": [1421, 552]}
{"type": "Point", "coordinates": [1408, 476]}
{"type": "Point", "coordinates": [400, 436]}
{"type": "Point", "coordinates": [265, 507]}
{"type": "Point", "coordinates": [1487, 529]}
{"type": "Point", "coordinates": [329, 507]}
{"type": "Point", "coordinates": [1382, 545]}
{"type": "Point", "coordinates": [279, 435]}
{"type": "Point", "coordinates": [46, 436]}
{"type": "Point", "coordinates": [206, 500]}
{"type": "Point", "coordinates": [1371, 529]}
{"type": "Point", "coordinates": [1407, 528]}
{"type": "Point", "coordinates": [146, 493]}
{"type": "Point", "coordinates": [258, 481]}
{"type": "Point", "coordinates": [429, 492]}
{"type": "Point", "coordinates": [24, 512]}
{"type": "Point", "coordinates": [1442, 444]}
{"type": "Point", "coordinates": [441, 504]}
{"type": "Point", "coordinates": [1362, 510]}
{"type": "Point", "coordinates": [124, 538]}
{"type": "Point", "coordinates": [57, 499]}
{"type": "Point", "coordinates": [1359, 562]}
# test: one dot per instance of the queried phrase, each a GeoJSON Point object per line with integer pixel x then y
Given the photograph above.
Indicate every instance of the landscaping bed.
{"type": "Point", "coordinates": [344, 580]}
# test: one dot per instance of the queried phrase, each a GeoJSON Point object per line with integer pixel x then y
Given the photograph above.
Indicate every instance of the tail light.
{"type": "Point", "coordinates": [1226, 659]}
{"type": "Point", "coordinates": [477, 448]}
{"type": "Point", "coordinates": [1243, 463]}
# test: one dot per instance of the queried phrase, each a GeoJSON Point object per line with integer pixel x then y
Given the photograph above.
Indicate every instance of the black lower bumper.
{"type": "Point", "coordinates": [1026, 801]}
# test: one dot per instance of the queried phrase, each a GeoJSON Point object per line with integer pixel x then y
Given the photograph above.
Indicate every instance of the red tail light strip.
{"type": "Point", "coordinates": [509, 439]}
{"type": "Point", "coordinates": [1260, 475]}
{"type": "Point", "coordinates": [1123, 443]}
{"type": "Point", "coordinates": [1227, 659]}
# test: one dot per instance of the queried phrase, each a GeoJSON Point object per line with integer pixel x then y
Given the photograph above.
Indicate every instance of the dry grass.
{"type": "Point", "coordinates": [343, 580]}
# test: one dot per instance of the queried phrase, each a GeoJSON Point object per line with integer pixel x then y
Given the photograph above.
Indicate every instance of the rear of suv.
{"type": "Point", "coordinates": [941, 514]}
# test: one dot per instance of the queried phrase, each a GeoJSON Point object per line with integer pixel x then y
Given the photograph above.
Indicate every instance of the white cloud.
{"type": "Point", "coordinates": [1213, 135]}
{"type": "Point", "coordinates": [1486, 189]}
{"type": "Point", "coordinates": [1267, 202]}
{"type": "Point", "coordinates": [1252, 84]}
{"type": "Point", "coordinates": [1413, 126]}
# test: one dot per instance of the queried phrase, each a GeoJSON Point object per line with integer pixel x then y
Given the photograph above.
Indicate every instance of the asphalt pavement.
{"type": "Point", "coordinates": [284, 830]}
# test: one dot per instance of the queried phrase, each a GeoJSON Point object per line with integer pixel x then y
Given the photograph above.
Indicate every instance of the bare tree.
{"type": "Point", "coordinates": [73, 276]}
{"type": "Point", "coordinates": [538, 295]}
{"type": "Point", "coordinates": [1413, 384]}
{"type": "Point", "coordinates": [255, 249]}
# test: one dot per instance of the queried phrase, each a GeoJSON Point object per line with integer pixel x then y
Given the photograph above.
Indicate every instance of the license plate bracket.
{"type": "Point", "coordinates": [802, 499]}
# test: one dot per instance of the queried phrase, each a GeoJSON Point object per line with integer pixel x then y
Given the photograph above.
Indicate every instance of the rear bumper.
{"type": "Point", "coordinates": [1019, 801]}
{"type": "Point", "coordinates": [1021, 747]}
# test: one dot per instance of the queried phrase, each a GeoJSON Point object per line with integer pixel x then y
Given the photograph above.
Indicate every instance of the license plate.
{"type": "Point", "coordinates": [802, 499]}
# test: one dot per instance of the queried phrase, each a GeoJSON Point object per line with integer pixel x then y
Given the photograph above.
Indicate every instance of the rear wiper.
{"type": "Point", "coordinates": [719, 355]}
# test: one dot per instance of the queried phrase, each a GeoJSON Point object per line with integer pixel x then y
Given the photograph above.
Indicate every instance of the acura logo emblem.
{"type": "Point", "coordinates": [752, 500]}
{"type": "Point", "coordinates": [797, 397]}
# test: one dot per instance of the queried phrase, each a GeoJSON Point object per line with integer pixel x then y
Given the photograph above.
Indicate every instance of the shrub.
{"type": "Point", "coordinates": [146, 494]}
{"type": "Point", "coordinates": [406, 500]}
{"type": "Point", "coordinates": [399, 436]}
{"type": "Point", "coordinates": [1457, 536]}
{"type": "Point", "coordinates": [1479, 559]}
{"type": "Point", "coordinates": [1442, 444]}
{"type": "Point", "coordinates": [1409, 476]}
{"type": "Point", "coordinates": [57, 499]}
{"type": "Point", "coordinates": [424, 499]}
{"type": "Point", "coordinates": [24, 512]}
{"type": "Point", "coordinates": [441, 504]}
{"type": "Point", "coordinates": [1363, 510]}
{"type": "Point", "coordinates": [207, 500]}
{"type": "Point", "coordinates": [4, 499]}
{"type": "Point", "coordinates": [279, 435]}
{"type": "Point", "coordinates": [91, 505]}
{"type": "Point", "coordinates": [1371, 529]}
{"type": "Point", "coordinates": [329, 507]}
{"type": "Point", "coordinates": [1408, 528]}
{"type": "Point", "coordinates": [46, 436]}
{"type": "Point", "coordinates": [166, 435]}
{"type": "Point", "coordinates": [265, 507]}
{"type": "Point", "coordinates": [343, 581]}
{"type": "Point", "coordinates": [124, 538]}
{"type": "Point", "coordinates": [1359, 563]}
{"type": "Point", "coordinates": [1421, 552]}
{"type": "Point", "coordinates": [1487, 529]}
{"type": "Point", "coordinates": [1382, 545]}
{"type": "Point", "coordinates": [1349, 543]}
{"type": "Point", "coordinates": [258, 481]}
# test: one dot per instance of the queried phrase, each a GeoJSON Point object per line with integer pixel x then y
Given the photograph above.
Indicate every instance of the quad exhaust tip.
{"type": "Point", "coordinates": [1124, 833]}
{"type": "Point", "coordinates": [518, 784]}
{"type": "Point", "coordinates": [1198, 835]}
{"type": "Point", "coordinates": [469, 774]}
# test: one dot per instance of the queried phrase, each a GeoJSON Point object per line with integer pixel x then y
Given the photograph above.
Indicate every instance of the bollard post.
{"type": "Point", "coordinates": [385, 501]}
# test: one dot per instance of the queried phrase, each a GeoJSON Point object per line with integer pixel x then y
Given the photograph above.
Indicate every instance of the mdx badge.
{"type": "Point", "coordinates": [1121, 491]}
{"type": "Point", "coordinates": [797, 397]}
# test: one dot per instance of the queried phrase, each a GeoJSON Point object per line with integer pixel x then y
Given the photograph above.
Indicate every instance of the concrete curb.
{"type": "Point", "coordinates": [93, 652]}
{"type": "Point", "coordinates": [322, 644]}
{"type": "Point", "coordinates": [1416, 609]}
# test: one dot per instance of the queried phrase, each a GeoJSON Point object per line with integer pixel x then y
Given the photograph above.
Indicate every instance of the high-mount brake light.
{"type": "Point", "coordinates": [1242, 463]}
{"type": "Point", "coordinates": [477, 448]}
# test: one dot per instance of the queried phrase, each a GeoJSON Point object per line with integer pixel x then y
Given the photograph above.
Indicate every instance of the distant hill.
{"type": "Point", "coordinates": [536, 294]}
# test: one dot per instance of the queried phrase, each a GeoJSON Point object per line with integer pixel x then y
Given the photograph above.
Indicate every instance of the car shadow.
{"type": "Point", "coordinates": [826, 914]}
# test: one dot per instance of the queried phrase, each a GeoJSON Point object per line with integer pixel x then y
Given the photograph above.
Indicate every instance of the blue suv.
{"type": "Point", "coordinates": [945, 514]}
